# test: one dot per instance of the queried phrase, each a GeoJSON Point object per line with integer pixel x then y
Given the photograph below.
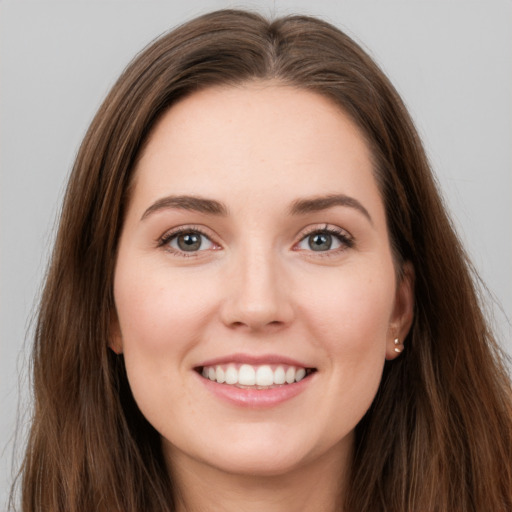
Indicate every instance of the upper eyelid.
{"type": "Point", "coordinates": [318, 228]}
{"type": "Point", "coordinates": [184, 229]}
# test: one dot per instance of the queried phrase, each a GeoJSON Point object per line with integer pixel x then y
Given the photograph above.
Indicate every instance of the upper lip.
{"type": "Point", "coordinates": [254, 360]}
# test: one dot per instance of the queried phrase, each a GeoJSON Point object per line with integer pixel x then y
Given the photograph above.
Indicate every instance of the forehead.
{"type": "Point", "coordinates": [256, 139]}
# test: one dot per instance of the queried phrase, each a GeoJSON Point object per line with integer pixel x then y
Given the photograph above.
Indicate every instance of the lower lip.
{"type": "Point", "coordinates": [256, 398]}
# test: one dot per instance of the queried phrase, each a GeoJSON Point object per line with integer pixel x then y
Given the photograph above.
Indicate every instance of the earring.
{"type": "Point", "coordinates": [398, 346]}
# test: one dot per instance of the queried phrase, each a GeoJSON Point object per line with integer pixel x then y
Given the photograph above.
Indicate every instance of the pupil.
{"type": "Point", "coordinates": [189, 242]}
{"type": "Point", "coordinates": [320, 242]}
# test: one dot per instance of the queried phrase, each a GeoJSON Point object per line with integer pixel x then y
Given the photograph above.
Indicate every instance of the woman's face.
{"type": "Point", "coordinates": [255, 287]}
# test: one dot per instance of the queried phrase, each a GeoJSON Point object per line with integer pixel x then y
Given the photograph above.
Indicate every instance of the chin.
{"type": "Point", "coordinates": [263, 451]}
{"type": "Point", "coordinates": [259, 464]}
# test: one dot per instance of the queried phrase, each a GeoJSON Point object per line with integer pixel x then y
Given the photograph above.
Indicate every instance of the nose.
{"type": "Point", "coordinates": [257, 292]}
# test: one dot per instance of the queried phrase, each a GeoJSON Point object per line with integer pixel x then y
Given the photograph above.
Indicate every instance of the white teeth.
{"type": "Point", "coordinates": [279, 375]}
{"type": "Point", "coordinates": [248, 375]}
{"type": "Point", "coordinates": [221, 376]}
{"type": "Point", "coordinates": [290, 375]}
{"type": "Point", "coordinates": [231, 375]}
{"type": "Point", "coordinates": [264, 376]}
{"type": "Point", "coordinates": [300, 374]}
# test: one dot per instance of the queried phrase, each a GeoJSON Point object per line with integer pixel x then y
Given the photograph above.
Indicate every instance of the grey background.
{"type": "Point", "coordinates": [451, 60]}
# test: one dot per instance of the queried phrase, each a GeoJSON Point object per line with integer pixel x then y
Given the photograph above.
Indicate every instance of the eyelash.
{"type": "Point", "coordinates": [164, 241]}
{"type": "Point", "coordinates": [341, 235]}
{"type": "Point", "coordinates": [346, 241]}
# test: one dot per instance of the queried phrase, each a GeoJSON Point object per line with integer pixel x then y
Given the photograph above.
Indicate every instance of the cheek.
{"type": "Point", "coordinates": [158, 310]}
{"type": "Point", "coordinates": [160, 317]}
{"type": "Point", "coordinates": [349, 323]}
{"type": "Point", "coordinates": [354, 306]}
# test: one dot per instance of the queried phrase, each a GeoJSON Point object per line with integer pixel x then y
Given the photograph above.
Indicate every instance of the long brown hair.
{"type": "Point", "coordinates": [438, 436]}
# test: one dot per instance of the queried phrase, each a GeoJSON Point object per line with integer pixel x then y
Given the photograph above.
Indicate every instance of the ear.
{"type": "Point", "coordinates": [403, 313]}
{"type": "Point", "coordinates": [115, 339]}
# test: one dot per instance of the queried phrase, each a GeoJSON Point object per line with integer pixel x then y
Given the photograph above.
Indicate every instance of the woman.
{"type": "Point", "coordinates": [256, 299]}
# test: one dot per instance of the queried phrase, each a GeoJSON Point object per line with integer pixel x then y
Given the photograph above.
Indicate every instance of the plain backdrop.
{"type": "Point", "coordinates": [450, 59]}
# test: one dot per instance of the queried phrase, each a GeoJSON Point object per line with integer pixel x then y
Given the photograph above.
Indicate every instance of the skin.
{"type": "Point", "coordinates": [256, 287]}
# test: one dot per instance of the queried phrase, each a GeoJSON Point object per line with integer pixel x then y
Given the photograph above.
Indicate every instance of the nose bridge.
{"type": "Point", "coordinates": [258, 291]}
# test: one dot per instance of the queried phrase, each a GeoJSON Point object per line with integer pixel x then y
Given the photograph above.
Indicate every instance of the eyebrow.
{"type": "Point", "coordinates": [317, 204]}
{"type": "Point", "coordinates": [191, 203]}
{"type": "Point", "coordinates": [213, 207]}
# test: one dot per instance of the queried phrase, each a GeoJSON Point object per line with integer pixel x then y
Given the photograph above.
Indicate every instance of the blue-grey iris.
{"type": "Point", "coordinates": [320, 241]}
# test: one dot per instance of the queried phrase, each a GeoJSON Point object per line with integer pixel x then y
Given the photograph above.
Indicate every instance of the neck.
{"type": "Point", "coordinates": [317, 486]}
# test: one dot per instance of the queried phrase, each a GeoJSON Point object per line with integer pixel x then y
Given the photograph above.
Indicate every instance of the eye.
{"type": "Point", "coordinates": [187, 241]}
{"type": "Point", "coordinates": [325, 240]}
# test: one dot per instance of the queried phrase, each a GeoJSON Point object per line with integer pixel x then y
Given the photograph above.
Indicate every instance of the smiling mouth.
{"type": "Point", "coordinates": [255, 376]}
